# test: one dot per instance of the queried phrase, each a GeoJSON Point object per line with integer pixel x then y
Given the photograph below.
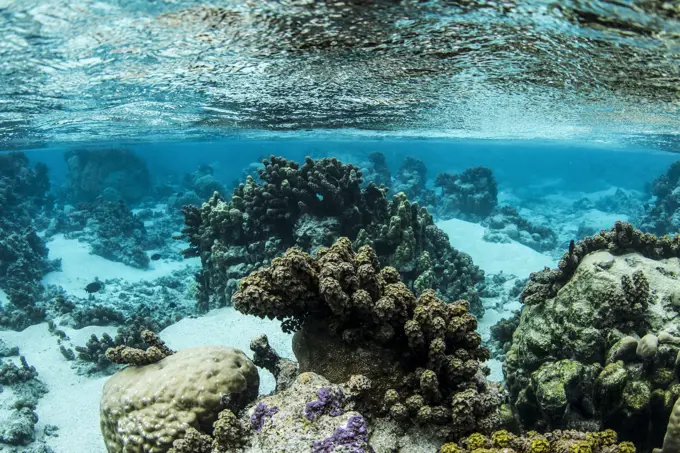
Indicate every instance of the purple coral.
{"type": "Point", "coordinates": [257, 418]}
{"type": "Point", "coordinates": [329, 402]}
{"type": "Point", "coordinates": [354, 435]}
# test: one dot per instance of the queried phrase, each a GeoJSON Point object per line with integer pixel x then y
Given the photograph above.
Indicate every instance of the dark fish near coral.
{"type": "Point", "coordinates": [155, 256]}
{"type": "Point", "coordinates": [93, 287]}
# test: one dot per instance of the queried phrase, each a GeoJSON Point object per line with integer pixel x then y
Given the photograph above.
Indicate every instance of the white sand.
{"type": "Point", "coordinates": [79, 267]}
{"type": "Point", "coordinates": [3, 297]}
{"type": "Point", "coordinates": [492, 258]}
{"type": "Point", "coordinates": [73, 401]}
{"type": "Point", "coordinates": [513, 257]}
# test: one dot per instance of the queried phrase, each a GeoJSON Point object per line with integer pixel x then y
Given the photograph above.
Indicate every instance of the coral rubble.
{"type": "Point", "coordinates": [311, 206]}
{"type": "Point", "coordinates": [470, 195]}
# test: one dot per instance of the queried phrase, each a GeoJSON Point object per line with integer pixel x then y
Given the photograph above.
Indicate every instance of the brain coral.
{"type": "Point", "coordinates": [144, 409]}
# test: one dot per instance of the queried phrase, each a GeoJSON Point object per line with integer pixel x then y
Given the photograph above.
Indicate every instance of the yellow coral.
{"type": "Point", "coordinates": [539, 444]}
{"type": "Point", "coordinates": [476, 441]}
{"type": "Point", "coordinates": [607, 437]}
{"type": "Point", "coordinates": [582, 446]}
{"type": "Point", "coordinates": [450, 447]}
{"type": "Point", "coordinates": [626, 447]}
{"type": "Point", "coordinates": [500, 439]}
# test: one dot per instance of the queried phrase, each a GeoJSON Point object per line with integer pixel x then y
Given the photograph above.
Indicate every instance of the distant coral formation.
{"type": "Point", "coordinates": [505, 224]}
{"type": "Point", "coordinates": [111, 229]}
{"type": "Point", "coordinates": [597, 344]}
{"type": "Point", "coordinates": [470, 195]}
{"type": "Point", "coordinates": [114, 174]}
{"type": "Point", "coordinates": [422, 356]}
{"type": "Point", "coordinates": [311, 206]}
{"type": "Point", "coordinates": [662, 215]}
{"type": "Point", "coordinates": [23, 254]}
{"type": "Point", "coordinates": [411, 179]}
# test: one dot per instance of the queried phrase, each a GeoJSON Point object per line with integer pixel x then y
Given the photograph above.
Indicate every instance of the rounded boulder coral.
{"type": "Point", "coordinates": [146, 408]}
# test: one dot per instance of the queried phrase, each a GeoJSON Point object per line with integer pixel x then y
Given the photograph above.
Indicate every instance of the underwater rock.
{"type": "Point", "coordinates": [148, 407]}
{"type": "Point", "coordinates": [352, 317]}
{"type": "Point", "coordinates": [505, 224]}
{"type": "Point", "coordinates": [311, 205]}
{"type": "Point", "coordinates": [114, 174]}
{"type": "Point", "coordinates": [598, 317]}
{"type": "Point", "coordinates": [471, 195]}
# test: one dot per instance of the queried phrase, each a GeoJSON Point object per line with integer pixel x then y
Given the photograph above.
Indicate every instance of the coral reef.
{"type": "Point", "coordinates": [411, 179]}
{"type": "Point", "coordinates": [18, 420]}
{"type": "Point", "coordinates": [422, 356]}
{"type": "Point", "coordinates": [671, 441]}
{"type": "Point", "coordinates": [596, 344]}
{"type": "Point", "coordinates": [147, 408]}
{"type": "Point", "coordinates": [128, 355]}
{"type": "Point", "coordinates": [114, 174]}
{"type": "Point", "coordinates": [505, 224]}
{"type": "Point", "coordinates": [622, 238]}
{"type": "Point", "coordinates": [23, 254]}
{"type": "Point", "coordinates": [310, 206]}
{"type": "Point", "coordinates": [380, 172]}
{"type": "Point", "coordinates": [568, 441]}
{"type": "Point", "coordinates": [661, 216]}
{"type": "Point", "coordinates": [111, 229]}
{"type": "Point", "coordinates": [203, 183]}
{"type": "Point", "coordinates": [470, 195]}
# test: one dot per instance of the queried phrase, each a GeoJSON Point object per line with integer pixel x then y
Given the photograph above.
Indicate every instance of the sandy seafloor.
{"type": "Point", "coordinates": [72, 403]}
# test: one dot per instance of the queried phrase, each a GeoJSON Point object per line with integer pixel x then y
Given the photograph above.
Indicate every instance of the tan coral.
{"type": "Point", "coordinates": [146, 408]}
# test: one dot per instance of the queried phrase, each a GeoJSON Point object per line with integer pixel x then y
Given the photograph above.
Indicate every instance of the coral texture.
{"type": "Point", "coordinates": [311, 206]}
{"type": "Point", "coordinates": [411, 179]}
{"type": "Point", "coordinates": [599, 350]}
{"type": "Point", "coordinates": [146, 408]}
{"type": "Point", "coordinates": [422, 355]}
{"type": "Point", "coordinates": [470, 195]}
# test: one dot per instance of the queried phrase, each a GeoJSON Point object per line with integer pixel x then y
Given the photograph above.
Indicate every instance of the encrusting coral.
{"type": "Point", "coordinates": [423, 356]}
{"type": "Point", "coordinates": [596, 346]}
{"type": "Point", "coordinates": [126, 355]}
{"type": "Point", "coordinates": [312, 205]}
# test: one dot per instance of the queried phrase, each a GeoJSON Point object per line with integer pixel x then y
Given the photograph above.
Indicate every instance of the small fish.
{"type": "Point", "coordinates": [156, 256]}
{"type": "Point", "coordinates": [93, 287]}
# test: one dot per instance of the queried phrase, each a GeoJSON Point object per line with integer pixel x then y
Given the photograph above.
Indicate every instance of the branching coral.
{"type": "Point", "coordinates": [262, 220]}
{"type": "Point", "coordinates": [352, 315]}
{"type": "Point", "coordinates": [473, 194]}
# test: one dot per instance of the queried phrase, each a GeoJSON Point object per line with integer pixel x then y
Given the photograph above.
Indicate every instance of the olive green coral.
{"type": "Point", "coordinates": [352, 317]}
{"type": "Point", "coordinates": [559, 441]}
